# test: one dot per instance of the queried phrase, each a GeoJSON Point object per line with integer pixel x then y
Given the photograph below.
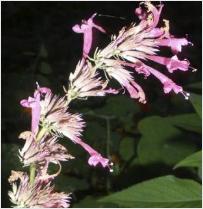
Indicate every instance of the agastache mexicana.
{"type": "Point", "coordinates": [127, 53]}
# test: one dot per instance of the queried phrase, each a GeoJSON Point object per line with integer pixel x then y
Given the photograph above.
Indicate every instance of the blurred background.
{"type": "Point", "coordinates": [144, 141]}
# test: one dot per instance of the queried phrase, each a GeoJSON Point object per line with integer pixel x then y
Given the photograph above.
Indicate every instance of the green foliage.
{"type": "Point", "coordinates": [194, 160]}
{"type": "Point", "coordinates": [165, 191]}
{"type": "Point", "coordinates": [189, 122]}
{"type": "Point", "coordinates": [127, 148]}
{"type": "Point", "coordinates": [197, 103]}
{"type": "Point", "coordinates": [162, 142]}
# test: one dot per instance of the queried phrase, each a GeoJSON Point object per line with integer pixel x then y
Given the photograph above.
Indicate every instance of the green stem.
{"type": "Point", "coordinates": [33, 167]}
{"type": "Point", "coordinates": [32, 173]}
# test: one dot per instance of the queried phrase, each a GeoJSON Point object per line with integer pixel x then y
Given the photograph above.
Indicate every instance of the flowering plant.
{"type": "Point", "coordinates": [128, 53]}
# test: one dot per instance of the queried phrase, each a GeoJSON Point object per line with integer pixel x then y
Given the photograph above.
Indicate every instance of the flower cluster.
{"type": "Point", "coordinates": [128, 53]}
{"type": "Point", "coordinates": [37, 195]}
{"type": "Point", "coordinates": [134, 46]}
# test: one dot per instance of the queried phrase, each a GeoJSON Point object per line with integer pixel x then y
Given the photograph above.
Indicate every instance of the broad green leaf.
{"type": "Point", "coordinates": [196, 100]}
{"type": "Point", "coordinates": [162, 142]}
{"type": "Point", "coordinates": [165, 191]}
{"type": "Point", "coordinates": [126, 149]}
{"type": "Point", "coordinates": [199, 172]}
{"type": "Point", "coordinates": [194, 160]}
{"type": "Point", "coordinates": [190, 122]}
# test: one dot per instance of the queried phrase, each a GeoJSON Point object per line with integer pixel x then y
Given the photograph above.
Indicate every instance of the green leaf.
{"type": "Point", "coordinates": [194, 160]}
{"type": "Point", "coordinates": [162, 142]}
{"type": "Point", "coordinates": [190, 122]}
{"type": "Point", "coordinates": [126, 148]}
{"type": "Point", "coordinates": [196, 100]}
{"type": "Point", "coordinates": [165, 191]}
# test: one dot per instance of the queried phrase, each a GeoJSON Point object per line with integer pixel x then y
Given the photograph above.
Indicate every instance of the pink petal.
{"type": "Point", "coordinates": [175, 43]}
{"type": "Point", "coordinates": [155, 32]}
{"type": "Point", "coordinates": [152, 10]}
{"type": "Point", "coordinates": [87, 41]}
{"type": "Point", "coordinates": [95, 157]}
{"type": "Point", "coordinates": [77, 29]}
{"type": "Point", "coordinates": [86, 29]}
{"type": "Point", "coordinates": [172, 63]}
{"type": "Point", "coordinates": [168, 84]}
{"type": "Point", "coordinates": [34, 104]}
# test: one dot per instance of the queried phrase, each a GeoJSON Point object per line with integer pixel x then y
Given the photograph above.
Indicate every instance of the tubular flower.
{"type": "Point", "coordinates": [38, 195]}
{"type": "Point", "coordinates": [85, 82]}
{"type": "Point", "coordinates": [44, 152]}
{"type": "Point", "coordinates": [86, 28]}
{"type": "Point", "coordinates": [95, 157]}
{"type": "Point", "coordinates": [34, 103]}
{"type": "Point", "coordinates": [135, 45]}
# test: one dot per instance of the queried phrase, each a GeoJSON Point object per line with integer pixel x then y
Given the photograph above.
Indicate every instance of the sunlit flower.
{"type": "Point", "coordinates": [38, 195]}
{"type": "Point", "coordinates": [137, 44]}
{"type": "Point", "coordinates": [86, 82]}
{"type": "Point", "coordinates": [86, 28]}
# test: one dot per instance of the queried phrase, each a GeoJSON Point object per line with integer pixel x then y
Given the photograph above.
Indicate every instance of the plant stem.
{"type": "Point", "coordinates": [32, 173]}
{"type": "Point", "coordinates": [33, 167]}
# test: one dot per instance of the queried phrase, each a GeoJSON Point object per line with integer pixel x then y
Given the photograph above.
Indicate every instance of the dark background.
{"type": "Point", "coordinates": [38, 44]}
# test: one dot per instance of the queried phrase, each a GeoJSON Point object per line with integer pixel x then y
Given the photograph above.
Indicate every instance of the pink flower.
{"type": "Point", "coordinates": [86, 28]}
{"type": "Point", "coordinates": [168, 84]}
{"type": "Point", "coordinates": [124, 77]}
{"type": "Point", "coordinates": [172, 63]}
{"type": "Point", "coordinates": [174, 43]}
{"type": "Point", "coordinates": [136, 45]}
{"type": "Point", "coordinates": [44, 152]}
{"type": "Point", "coordinates": [152, 14]}
{"type": "Point", "coordinates": [86, 82]}
{"type": "Point", "coordinates": [38, 195]}
{"type": "Point", "coordinates": [95, 157]}
{"type": "Point", "coordinates": [57, 120]}
{"type": "Point", "coordinates": [34, 103]}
